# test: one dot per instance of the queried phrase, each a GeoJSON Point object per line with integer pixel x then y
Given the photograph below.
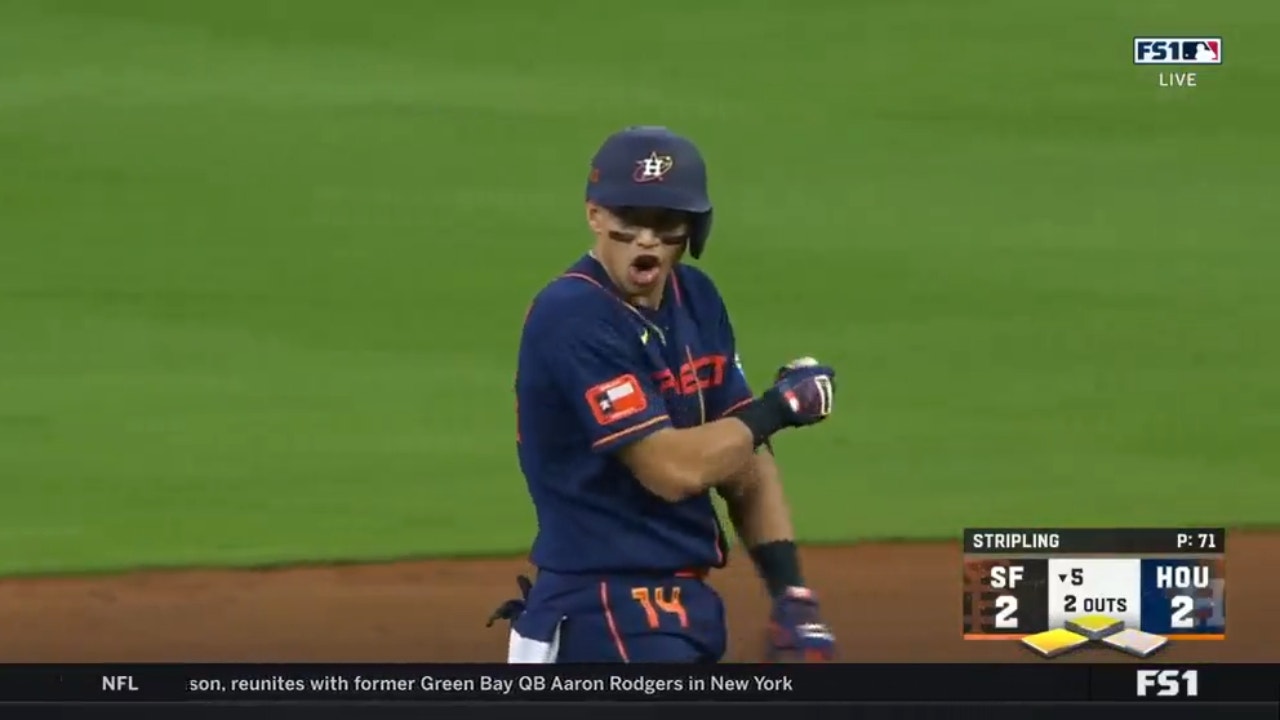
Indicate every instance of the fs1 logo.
{"type": "Point", "coordinates": [1168, 683]}
{"type": "Point", "coordinates": [1177, 51]}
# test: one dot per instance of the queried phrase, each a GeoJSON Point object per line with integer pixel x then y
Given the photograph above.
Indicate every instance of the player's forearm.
{"type": "Point", "coordinates": [757, 504]}
{"type": "Point", "coordinates": [679, 463]}
{"type": "Point", "coordinates": [758, 509]}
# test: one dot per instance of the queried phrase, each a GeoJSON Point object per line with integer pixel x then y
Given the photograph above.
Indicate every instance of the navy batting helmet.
{"type": "Point", "coordinates": [650, 166]}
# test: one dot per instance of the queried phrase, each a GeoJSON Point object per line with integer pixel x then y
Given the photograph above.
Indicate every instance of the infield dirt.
{"type": "Point", "coordinates": [886, 602]}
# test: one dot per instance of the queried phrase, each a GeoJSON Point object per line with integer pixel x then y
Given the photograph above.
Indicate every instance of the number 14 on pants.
{"type": "Point", "coordinates": [657, 601]}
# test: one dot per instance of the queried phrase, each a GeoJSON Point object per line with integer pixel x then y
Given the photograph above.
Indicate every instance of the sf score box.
{"type": "Point", "coordinates": [1177, 51]}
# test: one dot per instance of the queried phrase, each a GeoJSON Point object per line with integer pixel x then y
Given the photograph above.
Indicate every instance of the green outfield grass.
{"type": "Point", "coordinates": [263, 263]}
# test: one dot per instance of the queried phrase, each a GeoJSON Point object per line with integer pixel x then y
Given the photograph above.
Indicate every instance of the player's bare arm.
{"type": "Point", "coordinates": [758, 509]}
{"type": "Point", "coordinates": [757, 503]}
{"type": "Point", "coordinates": [678, 463]}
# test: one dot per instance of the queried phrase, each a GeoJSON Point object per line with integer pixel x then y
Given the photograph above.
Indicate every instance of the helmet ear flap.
{"type": "Point", "coordinates": [699, 233]}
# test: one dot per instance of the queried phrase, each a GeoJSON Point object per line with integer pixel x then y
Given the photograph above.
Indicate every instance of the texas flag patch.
{"type": "Point", "coordinates": [617, 399]}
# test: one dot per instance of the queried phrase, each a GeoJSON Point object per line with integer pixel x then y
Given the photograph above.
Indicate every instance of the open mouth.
{"type": "Point", "coordinates": [645, 269]}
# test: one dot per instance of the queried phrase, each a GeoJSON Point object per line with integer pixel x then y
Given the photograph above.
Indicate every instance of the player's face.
{"type": "Point", "coordinates": [639, 246]}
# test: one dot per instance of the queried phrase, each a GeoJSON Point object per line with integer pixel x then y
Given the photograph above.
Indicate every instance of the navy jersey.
{"type": "Point", "coordinates": [595, 374]}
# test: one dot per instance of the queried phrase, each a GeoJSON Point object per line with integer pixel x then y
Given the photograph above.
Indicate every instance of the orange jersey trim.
{"type": "Point", "coordinates": [613, 626]}
{"type": "Point", "coordinates": [582, 276]}
{"type": "Point", "coordinates": [737, 406]}
{"type": "Point", "coordinates": [633, 429]}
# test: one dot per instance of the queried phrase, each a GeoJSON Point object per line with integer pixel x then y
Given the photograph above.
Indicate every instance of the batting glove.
{"type": "Point", "coordinates": [796, 634]}
{"type": "Point", "coordinates": [511, 609]}
{"type": "Point", "coordinates": [807, 390]}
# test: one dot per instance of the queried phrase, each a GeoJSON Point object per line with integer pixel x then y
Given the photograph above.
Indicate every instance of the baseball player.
{"type": "Point", "coordinates": [631, 407]}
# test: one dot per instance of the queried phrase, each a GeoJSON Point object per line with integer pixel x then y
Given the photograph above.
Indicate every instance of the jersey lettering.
{"type": "Point", "coordinates": [703, 373]}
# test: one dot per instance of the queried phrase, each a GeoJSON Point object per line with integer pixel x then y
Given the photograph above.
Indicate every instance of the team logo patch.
{"type": "Point", "coordinates": [653, 168]}
{"type": "Point", "coordinates": [617, 399]}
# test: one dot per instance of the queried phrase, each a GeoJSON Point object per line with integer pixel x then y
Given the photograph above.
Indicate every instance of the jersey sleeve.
{"type": "Point", "coordinates": [604, 377]}
{"type": "Point", "coordinates": [734, 392]}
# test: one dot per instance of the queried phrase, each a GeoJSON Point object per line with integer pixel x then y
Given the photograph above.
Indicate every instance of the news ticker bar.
{"type": "Point", "coordinates": [735, 683]}
{"type": "Point", "coordinates": [689, 710]}
{"type": "Point", "coordinates": [1118, 541]}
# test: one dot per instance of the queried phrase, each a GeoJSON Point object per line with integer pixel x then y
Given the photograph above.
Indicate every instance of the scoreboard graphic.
{"type": "Point", "coordinates": [1133, 590]}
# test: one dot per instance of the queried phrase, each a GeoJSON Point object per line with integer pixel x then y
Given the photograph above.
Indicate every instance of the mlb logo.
{"type": "Point", "coordinates": [1177, 51]}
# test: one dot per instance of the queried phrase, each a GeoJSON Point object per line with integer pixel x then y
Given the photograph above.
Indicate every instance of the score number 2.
{"type": "Point", "coordinates": [1182, 606]}
{"type": "Point", "coordinates": [1006, 606]}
